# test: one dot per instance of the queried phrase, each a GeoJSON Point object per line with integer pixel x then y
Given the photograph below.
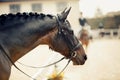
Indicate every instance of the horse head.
{"type": "Point", "coordinates": [65, 41]}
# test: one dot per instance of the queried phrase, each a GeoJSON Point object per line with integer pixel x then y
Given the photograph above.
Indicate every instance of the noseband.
{"type": "Point", "coordinates": [61, 32]}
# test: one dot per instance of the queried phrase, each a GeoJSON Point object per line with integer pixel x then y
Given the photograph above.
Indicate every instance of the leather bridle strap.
{"type": "Point", "coordinates": [42, 66]}
{"type": "Point", "coordinates": [64, 67]}
{"type": "Point", "coordinates": [5, 52]}
{"type": "Point", "coordinates": [72, 49]}
{"type": "Point", "coordinates": [73, 52]}
{"type": "Point", "coordinates": [76, 47]}
{"type": "Point", "coordinates": [60, 32]}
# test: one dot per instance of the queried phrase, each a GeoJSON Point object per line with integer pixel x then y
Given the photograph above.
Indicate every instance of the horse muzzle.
{"type": "Point", "coordinates": [78, 59]}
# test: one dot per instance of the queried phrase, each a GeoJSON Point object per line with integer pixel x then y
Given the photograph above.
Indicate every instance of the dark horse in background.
{"type": "Point", "coordinates": [22, 32]}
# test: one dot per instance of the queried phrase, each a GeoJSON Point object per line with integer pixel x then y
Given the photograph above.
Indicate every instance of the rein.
{"type": "Point", "coordinates": [2, 48]}
{"type": "Point", "coordinates": [5, 52]}
{"type": "Point", "coordinates": [42, 66]}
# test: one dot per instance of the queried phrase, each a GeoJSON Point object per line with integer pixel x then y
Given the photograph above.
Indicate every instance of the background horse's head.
{"type": "Point", "coordinates": [65, 42]}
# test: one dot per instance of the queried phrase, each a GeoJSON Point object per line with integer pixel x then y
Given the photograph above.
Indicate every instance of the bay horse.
{"type": "Point", "coordinates": [84, 37]}
{"type": "Point", "coordinates": [22, 32]}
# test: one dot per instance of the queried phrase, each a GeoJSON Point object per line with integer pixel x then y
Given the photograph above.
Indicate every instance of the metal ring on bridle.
{"type": "Point", "coordinates": [74, 54]}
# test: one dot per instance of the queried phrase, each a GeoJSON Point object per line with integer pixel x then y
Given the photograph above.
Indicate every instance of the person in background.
{"type": "Point", "coordinates": [82, 20]}
{"type": "Point", "coordinates": [101, 29]}
{"type": "Point", "coordinates": [100, 25]}
{"type": "Point", "coordinates": [84, 24]}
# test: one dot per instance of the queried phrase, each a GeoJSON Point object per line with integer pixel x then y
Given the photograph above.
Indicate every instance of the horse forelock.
{"type": "Point", "coordinates": [4, 18]}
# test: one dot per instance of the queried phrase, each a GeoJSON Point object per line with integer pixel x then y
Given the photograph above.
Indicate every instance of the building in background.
{"type": "Point", "coordinates": [98, 13]}
{"type": "Point", "coordinates": [42, 6]}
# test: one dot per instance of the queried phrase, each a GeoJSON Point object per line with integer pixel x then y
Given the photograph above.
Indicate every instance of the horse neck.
{"type": "Point", "coordinates": [48, 38]}
{"type": "Point", "coordinates": [43, 30]}
{"type": "Point", "coordinates": [33, 36]}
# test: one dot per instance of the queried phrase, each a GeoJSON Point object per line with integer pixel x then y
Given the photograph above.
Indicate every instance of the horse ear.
{"type": "Point", "coordinates": [64, 11]}
{"type": "Point", "coordinates": [64, 14]}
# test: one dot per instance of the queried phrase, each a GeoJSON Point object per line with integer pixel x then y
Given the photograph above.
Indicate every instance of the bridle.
{"type": "Point", "coordinates": [61, 32]}
{"type": "Point", "coordinates": [72, 53]}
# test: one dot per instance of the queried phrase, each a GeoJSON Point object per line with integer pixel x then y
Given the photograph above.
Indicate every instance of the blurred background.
{"type": "Point", "coordinates": [103, 51]}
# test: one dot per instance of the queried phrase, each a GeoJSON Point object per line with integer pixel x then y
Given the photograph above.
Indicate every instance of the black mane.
{"type": "Point", "coordinates": [7, 20]}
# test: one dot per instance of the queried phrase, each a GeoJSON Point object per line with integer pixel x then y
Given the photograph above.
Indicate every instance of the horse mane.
{"type": "Point", "coordinates": [7, 20]}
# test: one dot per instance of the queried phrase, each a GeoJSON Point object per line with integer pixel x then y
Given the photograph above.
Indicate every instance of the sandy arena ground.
{"type": "Point", "coordinates": [103, 62]}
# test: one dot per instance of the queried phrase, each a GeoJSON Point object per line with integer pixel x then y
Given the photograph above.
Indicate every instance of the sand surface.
{"type": "Point", "coordinates": [103, 62]}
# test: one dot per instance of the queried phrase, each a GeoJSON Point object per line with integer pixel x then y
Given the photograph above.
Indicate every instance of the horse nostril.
{"type": "Point", "coordinates": [85, 57]}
